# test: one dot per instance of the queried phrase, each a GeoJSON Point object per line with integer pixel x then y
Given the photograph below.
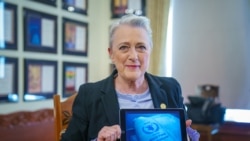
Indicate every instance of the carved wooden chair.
{"type": "Point", "coordinates": [62, 114]}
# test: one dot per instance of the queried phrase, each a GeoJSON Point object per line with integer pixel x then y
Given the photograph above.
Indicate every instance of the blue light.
{"type": "Point", "coordinates": [13, 97]}
{"type": "Point", "coordinates": [2, 65]}
{"type": "Point", "coordinates": [71, 8]}
{"type": "Point", "coordinates": [29, 97]}
{"type": "Point", "coordinates": [2, 42]}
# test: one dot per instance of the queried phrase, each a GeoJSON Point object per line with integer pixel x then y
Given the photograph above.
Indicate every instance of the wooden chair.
{"type": "Point", "coordinates": [62, 114]}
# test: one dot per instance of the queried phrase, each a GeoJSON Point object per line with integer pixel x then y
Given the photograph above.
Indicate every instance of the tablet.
{"type": "Point", "coordinates": [153, 124]}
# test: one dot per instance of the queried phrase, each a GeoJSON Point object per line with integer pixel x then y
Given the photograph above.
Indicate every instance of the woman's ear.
{"type": "Point", "coordinates": [110, 53]}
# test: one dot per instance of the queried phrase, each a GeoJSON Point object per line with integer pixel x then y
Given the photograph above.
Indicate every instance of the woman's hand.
{"type": "Point", "coordinates": [109, 133]}
{"type": "Point", "coordinates": [193, 134]}
{"type": "Point", "coordinates": [188, 122]}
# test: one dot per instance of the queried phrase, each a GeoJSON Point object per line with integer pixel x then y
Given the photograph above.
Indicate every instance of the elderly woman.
{"type": "Point", "coordinates": [96, 107]}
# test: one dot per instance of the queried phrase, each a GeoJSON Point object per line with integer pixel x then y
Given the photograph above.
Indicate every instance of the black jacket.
{"type": "Point", "coordinates": [96, 105]}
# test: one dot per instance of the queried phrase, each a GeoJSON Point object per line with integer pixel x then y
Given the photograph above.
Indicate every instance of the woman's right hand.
{"type": "Point", "coordinates": [109, 133]}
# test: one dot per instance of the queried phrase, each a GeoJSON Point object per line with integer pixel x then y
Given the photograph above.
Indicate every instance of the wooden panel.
{"type": "Point", "coordinates": [233, 131]}
{"type": "Point", "coordinates": [229, 131]}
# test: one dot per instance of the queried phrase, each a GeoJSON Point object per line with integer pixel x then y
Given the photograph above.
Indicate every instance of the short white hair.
{"type": "Point", "coordinates": [132, 20]}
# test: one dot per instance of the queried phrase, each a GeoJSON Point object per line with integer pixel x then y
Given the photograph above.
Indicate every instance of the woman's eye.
{"type": "Point", "coordinates": [141, 48]}
{"type": "Point", "coordinates": [123, 47]}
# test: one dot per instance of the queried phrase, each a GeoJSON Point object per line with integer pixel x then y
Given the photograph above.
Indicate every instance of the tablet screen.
{"type": "Point", "coordinates": [153, 125]}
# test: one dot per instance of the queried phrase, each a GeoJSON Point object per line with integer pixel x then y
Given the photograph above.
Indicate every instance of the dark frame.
{"type": "Point", "coordinates": [120, 8]}
{"type": "Point", "coordinates": [129, 117]}
{"type": "Point", "coordinates": [48, 2]}
{"type": "Point", "coordinates": [72, 7]}
{"type": "Point", "coordinates": [40, 79]}
{"type": "Point", "coordinates": [71, 41]}
{"type": "Point", "coordinates": [34, 31]}
{"type": "Point", "coordinates": [71, 76]}
{"type": "Point", "coordinates": [12, 43]}
{"type": "Point", "coordinates": [12, 96]}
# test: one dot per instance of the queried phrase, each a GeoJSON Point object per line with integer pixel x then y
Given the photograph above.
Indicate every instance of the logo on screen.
{"type": "Point", "coordinates": [150, 127]}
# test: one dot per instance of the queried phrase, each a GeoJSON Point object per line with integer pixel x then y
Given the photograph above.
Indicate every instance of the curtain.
{"type": "Point", "coordinates": [157, 11]}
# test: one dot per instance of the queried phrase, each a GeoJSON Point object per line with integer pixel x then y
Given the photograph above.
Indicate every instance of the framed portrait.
{"type": "Point", "coordinates": [122, 7]}
{"type": "Point", "coordinates": [8, 27]}
{"type": "Point", "coordinates": [8, 79]}
{"type": "Point", "coordinates": [77, 6]}
{"type": "Point", "coordinates": [74, 74]}
{"type": "Point", "coordinates": [75, 37]}
{"type": "Point", "coordinates": [40, 79]}
{"type": "Point", "coordinates": [48, 2]}
{"type": "Point", "coordinates": [40, 31]}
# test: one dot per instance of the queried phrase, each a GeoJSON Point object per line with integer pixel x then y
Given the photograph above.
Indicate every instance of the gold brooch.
{"type": "Point", "coordinates": [163, 106]}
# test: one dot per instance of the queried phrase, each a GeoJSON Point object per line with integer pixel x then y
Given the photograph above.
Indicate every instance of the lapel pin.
{"type": "Point", "coordinates": [163, 106]}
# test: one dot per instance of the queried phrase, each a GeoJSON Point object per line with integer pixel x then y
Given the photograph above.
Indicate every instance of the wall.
{"type": "Point", "coordinates": [211, 46]}
{"type": "Point", "coordinates": [98, 20]}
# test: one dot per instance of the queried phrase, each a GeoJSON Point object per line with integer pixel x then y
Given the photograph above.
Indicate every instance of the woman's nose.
{"type": "Point", "coordinates": [133, 54]}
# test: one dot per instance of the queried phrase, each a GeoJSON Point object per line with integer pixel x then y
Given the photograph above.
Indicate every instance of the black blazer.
{"type": "Point", "coordinates": [96, 105]}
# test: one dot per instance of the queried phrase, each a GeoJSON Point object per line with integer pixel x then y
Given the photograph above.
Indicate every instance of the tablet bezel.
{"type": "Point", "coordinates": [180, 111]}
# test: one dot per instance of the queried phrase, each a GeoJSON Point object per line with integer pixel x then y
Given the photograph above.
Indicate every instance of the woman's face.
{"type": "Point", "coordinates": [130, 52]}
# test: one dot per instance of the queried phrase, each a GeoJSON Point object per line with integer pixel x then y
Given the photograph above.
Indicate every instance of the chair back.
{"type": "Point", "coordinates": [62, 113]}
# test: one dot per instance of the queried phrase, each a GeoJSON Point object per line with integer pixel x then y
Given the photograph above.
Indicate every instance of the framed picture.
{"type": "Point", "coordinates": [48, 2]}
{"type": "Point", "coordinates": [75, 37]}
{"type": "Point", "coordinates": [9, 27]}
{"type": "Point", "coordinates": [77, 6]}
{"type": "Point", "coordinates": [8, 79]}
{"type": "Point", "coordinates": [40, 31]}
{"type": "Point", "coordinates": [74, 74]}
{"type": "Point", "coordinates": [40, 79]}
{"type": "Point", "coordinates": [122, 7]}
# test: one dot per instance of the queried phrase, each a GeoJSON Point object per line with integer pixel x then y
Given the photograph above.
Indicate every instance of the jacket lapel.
{"type": "Point", "coordinates": [110, 101]}
{"type": "Point", "coordinates": [159, 96]}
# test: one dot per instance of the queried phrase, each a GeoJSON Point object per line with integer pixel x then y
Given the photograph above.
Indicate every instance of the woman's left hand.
{"type": "Point", "coordinates": [188, 122]}
{"type": "Point", "coordinates": [193, 134]}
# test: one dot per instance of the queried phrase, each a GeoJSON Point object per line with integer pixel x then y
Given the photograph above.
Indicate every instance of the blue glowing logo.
{"type": "Point", "coordinates": [150, 127]}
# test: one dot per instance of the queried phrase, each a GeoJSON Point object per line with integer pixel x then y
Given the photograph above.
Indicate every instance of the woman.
{"type": "Point", "coordinates": [96, 107]}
